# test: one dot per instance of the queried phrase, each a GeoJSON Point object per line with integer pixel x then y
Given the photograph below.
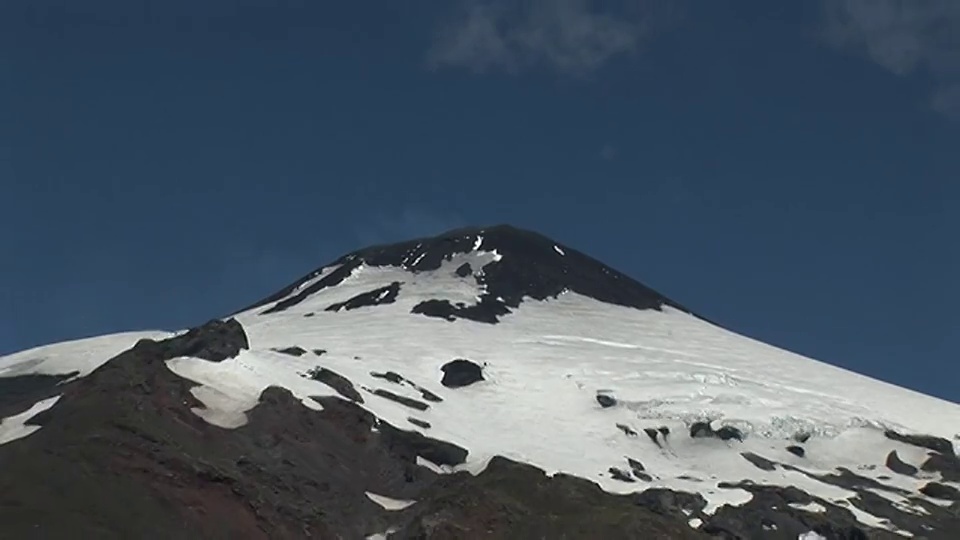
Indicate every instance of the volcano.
{"type": "Point", "coordinates": [488, 382]}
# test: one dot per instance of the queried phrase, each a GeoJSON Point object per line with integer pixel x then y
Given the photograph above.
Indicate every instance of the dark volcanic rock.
{"type": "Point", "coordinates": [675, 504]}
{"type": "Point", "coordinates": [606, 401]}
{"type": "Point", "coordinates": [17, 394]}
{"type": "Point", "coordinates": [411, 444]}
{"type": "Point", "coordinates": [292, 351]}
{"type": "Point", "coordinates": [458, 373]}
{"type": "Point", "coordinates": [123, 456]}
{"type": "Point", "coordinates": [769, 514]}
{"type": "Point", "coordinates": [652, 433]}
{"type": "Point", "coordinates": [396, 378]}
{"type": "Point", "coordinates": [638, 470]}
{"type": "Point", "coordinates": [417, 422]}
{"type": "Point", "coordinates": [428, 395]}
{"type": "Point", "coordinates": [946, 465]}
{"type": "Point", "coordinates": [529, 267]}
{"type": "Point", "coordinates": [797, 450]}
{"type": "Point", "coordinates": [215, 341]}
{"type": "Point", "coordinates": [621, 475]}
{"type": "Point", "coordinates": [936, 521]}
{"type": "Point", "coordinates": [727, 433]}
{"type": "Point", "coordinates": [334, 380]}
{"type": "Point", "coordinates": [941, 491]}
{"type": "Point", "coordinates": [759, 461]}
{"type": "Point", "coordinates": [897, 465]}
{"type": "Point", "coordinates": [440, 309]}
{"type": "Point", "coordinates": [513, 501]}
{"type": "Point", "coordinates": [847, 479]}
{"type": "Point", "coordinates": [283, 300]}
{"type": "Point", "coordinates": [389, 376]}
{"type": "Point", "coordinates": [627, 430]}
{"type": "Point", "coordinates": [487, 310]}
{"type": "Point", "coordinates": [464, 270]}
{"type": "Point", "coordinates": [403, 400]}
{"type": "Point", "coordinates": [643, 476]}
{"type": "Point", "coordinates": [937, 444]}
{"type": "Point", "coordinates": [376, 297]}
{"type": "Point", "coordinates": [703, 429]}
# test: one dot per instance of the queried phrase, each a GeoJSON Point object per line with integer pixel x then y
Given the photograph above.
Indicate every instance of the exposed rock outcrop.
{"type": "Point", "coordinates": [461, 372]}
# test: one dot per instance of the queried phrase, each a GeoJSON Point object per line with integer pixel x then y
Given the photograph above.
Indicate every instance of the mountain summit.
{"type": "Point", "coordinates": [484, 383]}
{"type": "Point", "coordinates": [507, 264]}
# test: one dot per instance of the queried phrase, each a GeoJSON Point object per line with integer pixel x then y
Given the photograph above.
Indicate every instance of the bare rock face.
{"type": "Point", "coordinates": [510, 500]}
{"type": "Point", "coordinates": [215, 341]}
{"type": "Point", "coordinates": [937, 444]}
{"type": "Point", "coordinates": [334, 380]}
{"type": "Point", "coordinates": [376, 297]}
{"type": "Point", "coordinates": [17, 394]}
{"type": "Point", "coordinates": [702, 429]}
{"type": "Point", "coordinates": [606, 400]}
{"type": "Point", "coordinates": [459, 373]}
{"type": "Point", "coordinates": [897, 465]}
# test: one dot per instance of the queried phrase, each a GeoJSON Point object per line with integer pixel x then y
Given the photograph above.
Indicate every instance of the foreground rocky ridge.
{"type": "Point", "coordinates": [122, 455]}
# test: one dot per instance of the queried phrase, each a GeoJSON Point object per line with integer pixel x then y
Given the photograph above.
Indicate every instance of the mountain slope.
{"type": "Point", "coordinates": [424, 388]}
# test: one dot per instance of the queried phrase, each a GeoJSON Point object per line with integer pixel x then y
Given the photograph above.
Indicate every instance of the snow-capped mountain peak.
{"type": "Point", "coordinates": [507, 265]}
{"type": "Point", "coordinates": [448, 362]}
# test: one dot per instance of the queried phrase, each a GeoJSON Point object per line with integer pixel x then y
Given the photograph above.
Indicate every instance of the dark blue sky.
{"type": "Point", "coordinates": [790, 171]}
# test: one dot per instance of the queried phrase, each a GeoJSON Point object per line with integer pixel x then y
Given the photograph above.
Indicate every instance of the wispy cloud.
{"type": "Point", "coordinates": [905, 37]}
{"type": "Point", "coordinates": [574, 37]}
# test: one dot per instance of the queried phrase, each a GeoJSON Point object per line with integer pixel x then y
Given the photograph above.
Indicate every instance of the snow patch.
{"type": "Point", "coordinates": [81, 355]}
{"type": "Point", "coordinates": [725, 497]}
{"type": "Point", "coordinates": [423, 462]}
{"type": "Point", "coordinates": [418, 259]}
{"type": "Point", "coordinates": [229, 389]}
{"type": "Point", "coordinates": [15, 427]}
{"type": "Point", "coordinates": [382, 536]}
{"type": "Point", "coordinates": [388, 503]}
{"type": "Point", "coordinates": [809, 507]}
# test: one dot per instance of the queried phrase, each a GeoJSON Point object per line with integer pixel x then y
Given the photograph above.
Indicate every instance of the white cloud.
{"type": "Point", "coordinates": [905, 37]}
{"type": "Point", "coordinates": [573, 37]}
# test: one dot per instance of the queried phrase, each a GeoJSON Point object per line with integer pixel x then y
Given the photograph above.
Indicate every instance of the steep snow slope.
{"type": "Point", "coordinates": [384, 327]}
{"type": "Point", "coordinates": [544, 365]}
{"type": "Point", "coordinates": [76, 358]}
